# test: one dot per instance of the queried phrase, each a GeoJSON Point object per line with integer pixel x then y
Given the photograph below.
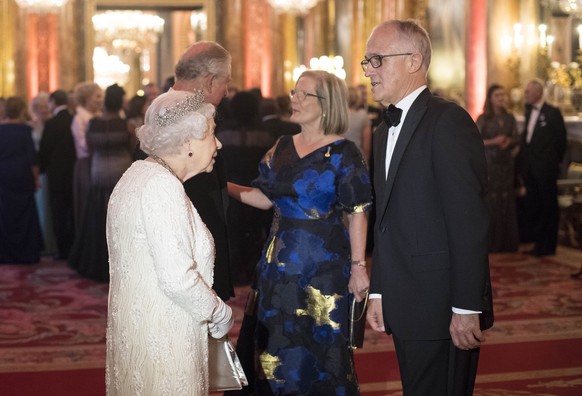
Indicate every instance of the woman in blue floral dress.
{"type": "Point", "coordinates": [313, 258]}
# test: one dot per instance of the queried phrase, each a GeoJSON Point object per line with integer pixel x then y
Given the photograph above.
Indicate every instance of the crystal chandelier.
{"type": "Point", "coordinates": [109, 69]}
{"type": "Point", "coordinates": [127, 29]}
{"type": "Point", "coordinates": [293, 6]}
{"type": "Point", "coordinates": [41, 6]}
{"type": "Point", "coordinates": [570, 7]}
{"type": "Point", "coordinates": [330, 64]}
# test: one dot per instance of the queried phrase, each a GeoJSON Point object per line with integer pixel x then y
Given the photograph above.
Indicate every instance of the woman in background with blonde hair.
{"type": "Point", "coordinates": [89, 102]}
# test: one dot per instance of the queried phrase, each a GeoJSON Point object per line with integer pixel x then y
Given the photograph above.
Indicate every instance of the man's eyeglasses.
{"type": "Point", "coordinates": [301, 94]}
{"type": "Point", "coordinates": [376, 60]}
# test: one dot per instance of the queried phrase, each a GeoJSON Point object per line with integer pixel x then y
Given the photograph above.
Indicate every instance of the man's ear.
{"type": "Point", "coordinates": [208, 83]}
{"type": "Point", "coordinates": [415, 62]}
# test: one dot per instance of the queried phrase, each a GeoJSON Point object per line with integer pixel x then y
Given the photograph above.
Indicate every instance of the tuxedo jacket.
{"type": "Point", "coordinates": [541, 157]}
{"type": "Point", "coordinates": [57, 154]}
{"type": "Point", "coordinates": [430, 234]}
{"type": "Point", "coordinates": [209, 195]}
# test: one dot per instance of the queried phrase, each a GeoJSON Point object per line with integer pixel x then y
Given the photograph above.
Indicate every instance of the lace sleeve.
{"type": "Point", "coordinates": [172, 243]}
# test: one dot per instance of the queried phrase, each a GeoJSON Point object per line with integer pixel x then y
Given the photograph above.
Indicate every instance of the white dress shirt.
{"type": "Point", "coordinates": [393, 134]}
{"type": "Point", "coordinates": [533, 118]}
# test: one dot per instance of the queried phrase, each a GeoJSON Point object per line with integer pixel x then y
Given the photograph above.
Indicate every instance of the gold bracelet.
{"type": "Point", "coordinates": [361, 263]}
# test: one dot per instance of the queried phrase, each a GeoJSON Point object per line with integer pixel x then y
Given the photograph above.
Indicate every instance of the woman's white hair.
{"type": "Point", "coordinates": [173, 119]}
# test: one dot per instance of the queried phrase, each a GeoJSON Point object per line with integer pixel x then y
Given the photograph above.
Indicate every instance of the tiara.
{"type": "Point", "coordinates": [168, 115]}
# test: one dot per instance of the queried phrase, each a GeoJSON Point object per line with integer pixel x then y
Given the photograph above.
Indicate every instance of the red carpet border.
{"type": "Point", "coordinates": [52, 330]}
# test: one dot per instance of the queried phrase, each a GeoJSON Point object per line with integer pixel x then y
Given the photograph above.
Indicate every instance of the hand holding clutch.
{"type": "Point", "coordinates": [221, 321]}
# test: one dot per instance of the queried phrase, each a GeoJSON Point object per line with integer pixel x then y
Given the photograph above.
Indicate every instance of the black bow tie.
{"type": "Point", "coordinates": [392, 116]}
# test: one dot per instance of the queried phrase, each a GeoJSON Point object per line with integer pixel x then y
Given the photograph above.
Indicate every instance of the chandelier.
{"type": "Point", "coordinates": [109, 69]}
{"type": "Point", "coordinates": [330, 64]}
{"type": "Point", "coordinates": [41, 6]}
{"type": "Point", "coordinates": [127, 29]}
{"type": "Point", "coordinates": [570, 7]}
{"type": "Point", "coordinates": [293, 6]}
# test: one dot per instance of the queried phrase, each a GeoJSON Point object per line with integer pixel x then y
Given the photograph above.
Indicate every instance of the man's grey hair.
{"type": "Point", "coordinates": [213, 59]}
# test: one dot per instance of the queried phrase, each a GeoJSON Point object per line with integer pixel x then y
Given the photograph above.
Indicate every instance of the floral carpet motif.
{"type": "Point", "coordinates": [52, 320]}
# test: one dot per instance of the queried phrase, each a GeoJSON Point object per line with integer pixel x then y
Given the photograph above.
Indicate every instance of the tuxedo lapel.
{"type": "Point", "coordinates": [413, 117]}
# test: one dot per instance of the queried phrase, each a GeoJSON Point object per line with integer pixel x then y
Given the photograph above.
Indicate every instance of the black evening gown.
{"type": "Point", "coordinates": [110, 158]}
{"type": "Point", "coordinates": [503, 228]}
{"type": "Point", "coordinates": [20, 236]}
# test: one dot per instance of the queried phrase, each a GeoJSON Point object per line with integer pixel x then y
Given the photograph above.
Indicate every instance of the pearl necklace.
{"type": "Point", "coordinates": [165, 165]}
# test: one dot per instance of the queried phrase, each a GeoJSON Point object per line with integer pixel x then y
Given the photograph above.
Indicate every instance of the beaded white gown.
{"type": "Point", "coordinates": [160, 299]}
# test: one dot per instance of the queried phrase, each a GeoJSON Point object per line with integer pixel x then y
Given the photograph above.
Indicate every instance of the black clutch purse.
{"type": "Point", "coordinates": [357, 322]}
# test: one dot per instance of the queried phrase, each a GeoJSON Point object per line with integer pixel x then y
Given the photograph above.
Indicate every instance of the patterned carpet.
{"type": "Point", "coordinates": [52, 321]}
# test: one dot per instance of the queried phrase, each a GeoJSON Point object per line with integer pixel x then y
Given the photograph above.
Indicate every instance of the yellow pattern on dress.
{"type": "Point", "coordinates": [269, 363]}
{"type": "Point", "coordinates": [319, 307]}
{"type": "Point", "coordinates": [361, 208]}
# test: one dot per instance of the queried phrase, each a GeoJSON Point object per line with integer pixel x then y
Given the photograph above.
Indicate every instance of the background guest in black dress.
{"type": "Point", "coordinates": [20, 235]}
{"type": "Point", "coordinates": [89, 103]}
{"type": "Point", "coordinates": [108, 142]}
{"type": "Point", "coordinates": [499, 132]}
{"type": "Point", "coordinates": [57, 160]}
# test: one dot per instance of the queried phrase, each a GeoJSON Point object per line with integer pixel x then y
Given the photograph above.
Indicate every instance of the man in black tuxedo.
{"type": "Point", "coordinates": [57, 159]}
{"type": "Point", "coordinates": [543, 144]}
{"type": "Point", "coordinates": [430, 284]}
{"type": "Point", "coordinates": [205, 66]}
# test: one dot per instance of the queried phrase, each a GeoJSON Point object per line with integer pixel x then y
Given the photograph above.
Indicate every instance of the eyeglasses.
{"type": "Point", "coordinates": [301, 94]}
{"type": "Point", "coordinates": [376, 60]}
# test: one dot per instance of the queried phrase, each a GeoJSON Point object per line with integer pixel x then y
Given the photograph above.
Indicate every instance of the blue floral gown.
{"type": "Point", "coordinates": [303, 273]}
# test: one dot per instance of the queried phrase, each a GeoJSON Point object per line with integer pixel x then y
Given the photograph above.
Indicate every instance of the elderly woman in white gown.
{"type": "Point", "coordinates": [161, 304]}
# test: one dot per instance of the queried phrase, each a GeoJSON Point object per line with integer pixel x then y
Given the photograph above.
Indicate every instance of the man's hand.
{"type": "Point", "coordinates": [465, 331]}
{"type": "Point", "coordinates": [374, 316]}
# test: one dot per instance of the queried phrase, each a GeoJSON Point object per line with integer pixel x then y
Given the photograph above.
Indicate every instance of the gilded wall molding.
{"type": "Point", "coordinates": [8, 21]}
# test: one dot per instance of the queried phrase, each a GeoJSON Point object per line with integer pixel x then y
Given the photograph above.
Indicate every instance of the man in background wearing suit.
{"type": "Point", "coordinates": [205, 66]}
{"type": "Point", "coordinates": [429, 285]}
{"type": "Point", "coordinates": [57, 159]}
{"type": "Point", "coordinates": [543, 144]}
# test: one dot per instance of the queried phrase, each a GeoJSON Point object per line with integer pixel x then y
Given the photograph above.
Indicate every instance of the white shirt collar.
{"type": "Point", "coordinates": [408, 100]}
{"type": "Point", "coordinates": [58, 109]}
